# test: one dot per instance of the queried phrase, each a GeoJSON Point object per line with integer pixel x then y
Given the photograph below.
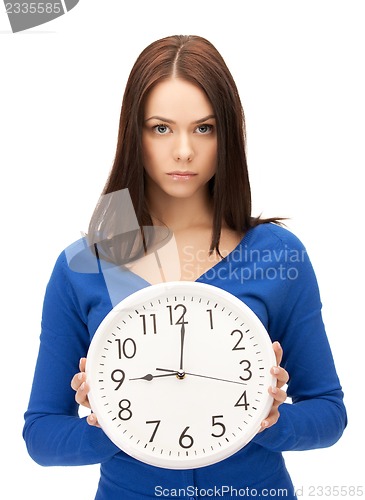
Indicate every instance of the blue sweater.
{"type": "Point", "coordinates": [270, 271]}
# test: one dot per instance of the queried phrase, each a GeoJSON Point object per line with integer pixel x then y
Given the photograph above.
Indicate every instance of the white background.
{"type": "Point", "coordinates": [299, 66]}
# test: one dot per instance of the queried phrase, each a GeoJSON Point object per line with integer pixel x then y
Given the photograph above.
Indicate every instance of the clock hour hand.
{"type": "Point", "coordinates": [181, 375]}
{"type": "Point", "coordinates": [150, 377]}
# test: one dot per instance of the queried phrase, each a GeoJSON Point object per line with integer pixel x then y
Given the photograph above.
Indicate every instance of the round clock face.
{"type": "Point", "coordinates": [179, 374]}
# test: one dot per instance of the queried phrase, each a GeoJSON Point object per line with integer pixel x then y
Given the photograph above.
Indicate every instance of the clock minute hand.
{"type": "Point", "coordinates": [182, 346]}
{"type": "Point", "coordinates": [174, 372]}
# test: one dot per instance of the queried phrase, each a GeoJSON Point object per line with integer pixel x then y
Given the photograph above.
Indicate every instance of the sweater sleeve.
{"type": "Point", "coordinates": [53, 431]}
{"type": "Point", "coordinates": [316, 418]}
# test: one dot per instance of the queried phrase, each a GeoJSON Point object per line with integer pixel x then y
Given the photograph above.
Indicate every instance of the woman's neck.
{"type": "Point", "coordinates": [179, 214]}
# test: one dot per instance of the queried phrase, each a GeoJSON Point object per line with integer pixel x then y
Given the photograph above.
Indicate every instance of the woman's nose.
{"type": "Point", "coordinates": [183, 149]}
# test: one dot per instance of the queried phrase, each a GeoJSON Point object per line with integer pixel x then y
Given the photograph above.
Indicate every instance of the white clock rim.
{"type": "Point", "coordinates": [183, 463]}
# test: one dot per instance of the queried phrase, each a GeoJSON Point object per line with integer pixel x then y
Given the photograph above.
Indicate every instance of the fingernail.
{"type": "Point", "coordinates": [275, 370]}
{"type": "Point", "coordinates": [79, 376]}
{"type": "Point", "coordinates": [91, 418]}
{"type": "Point", "coordinates": [274, 390]}
{"type": "Point", "coordinates": [265, 423]}
{"type": "Point", "coordinates": [82, 386]}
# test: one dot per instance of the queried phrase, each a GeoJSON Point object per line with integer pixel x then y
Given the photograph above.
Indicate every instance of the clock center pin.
{"type": "Point", "coordinates": [180, 375]}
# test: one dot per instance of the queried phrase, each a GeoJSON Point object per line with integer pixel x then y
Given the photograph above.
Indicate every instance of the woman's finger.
{"type": "Point", "coordinates": [278, 394]}
{"type": "Point", "coordinates": [281, 375]}
{"type": "Point", "coordinates": [271, 419]}
{"type": "Point", "coordinates": [82, 364]}
{"type": "Point", "coordinates": [279, 398]}
{"type": "Point", "coordinates": [278, 352]}
{"type": "Point", "coordinates": [92, 420]}
{"type": "Point", "coordinates": [80, 377]}
{"type": "Point", "coordinates": [77, 380]}
{"type": "Point", "coordinates": [81, 395]}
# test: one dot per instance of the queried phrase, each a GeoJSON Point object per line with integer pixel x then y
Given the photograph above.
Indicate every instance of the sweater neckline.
{"type": "Point", "coordinates": [244, 241]}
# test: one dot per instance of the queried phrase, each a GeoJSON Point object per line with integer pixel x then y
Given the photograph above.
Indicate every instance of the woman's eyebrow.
{"type": "Point", "coordinates": [201, 120]}
{"type": "Point", "coordinates": [168, 120]}
{"type": "Point", "coordinates": [161, 118]}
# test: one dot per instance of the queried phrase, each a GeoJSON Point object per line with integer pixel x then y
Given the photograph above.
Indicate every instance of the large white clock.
{"type": "Point", "coordinates": [179, 374]}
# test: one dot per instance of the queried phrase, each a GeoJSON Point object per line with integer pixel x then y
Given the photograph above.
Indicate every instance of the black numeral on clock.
{"type": "Point", "coordinates": [237, 347]}
{"type": "Point", "coordinates": [157, 422]}
{"type": "Point", "coordinates": [210, 318]}
{"type": "Point", "coordinates": [246, 370]}
{"type": "Point", "coordinates": [127, 348]}
{"type": "Point", "coordinates": [185, 440]}
{"type": "Point", "coordinates": [125, 412]}
{"type": "Point", "coordinates": [181, 319]}
{"type": "Point", "coordinates": [151, 323]}
{"type": "Point", "coordinates": [118, 376]}
{"type": "Point", "coordinates": [219, 424]}
{"type": "Point", "coordinates": [244, 404]}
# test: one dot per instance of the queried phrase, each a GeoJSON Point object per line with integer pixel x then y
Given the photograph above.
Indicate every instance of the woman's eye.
{"type": "Point", "coordinates": [204, 129]}
{"type": "Point", "coordinates": [161, 129]}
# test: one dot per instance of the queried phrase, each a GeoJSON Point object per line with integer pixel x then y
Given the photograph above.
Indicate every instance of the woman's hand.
{"type": "Point", "coordinates": [277, 393]}
{"type": "Point", "coordinates": [78, 384]}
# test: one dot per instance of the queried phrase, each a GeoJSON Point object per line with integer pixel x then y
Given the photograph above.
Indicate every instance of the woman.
{"type": "Point", "coordinates": [181, 156]}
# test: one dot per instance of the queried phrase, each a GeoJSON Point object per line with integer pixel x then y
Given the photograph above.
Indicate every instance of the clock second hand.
{"type": "Point", "coordinates": [181, 375]}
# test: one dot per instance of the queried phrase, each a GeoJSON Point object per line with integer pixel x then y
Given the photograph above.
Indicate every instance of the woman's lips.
{"type": "Point", "coordinates": [181, 176]}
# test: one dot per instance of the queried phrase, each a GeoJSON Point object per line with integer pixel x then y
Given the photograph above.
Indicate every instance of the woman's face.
{"type": "Point", "coordinates": [179, 139]}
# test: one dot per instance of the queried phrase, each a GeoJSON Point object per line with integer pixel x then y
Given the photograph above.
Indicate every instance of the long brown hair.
{"type": "Point", "coordinates": [196, 60]}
